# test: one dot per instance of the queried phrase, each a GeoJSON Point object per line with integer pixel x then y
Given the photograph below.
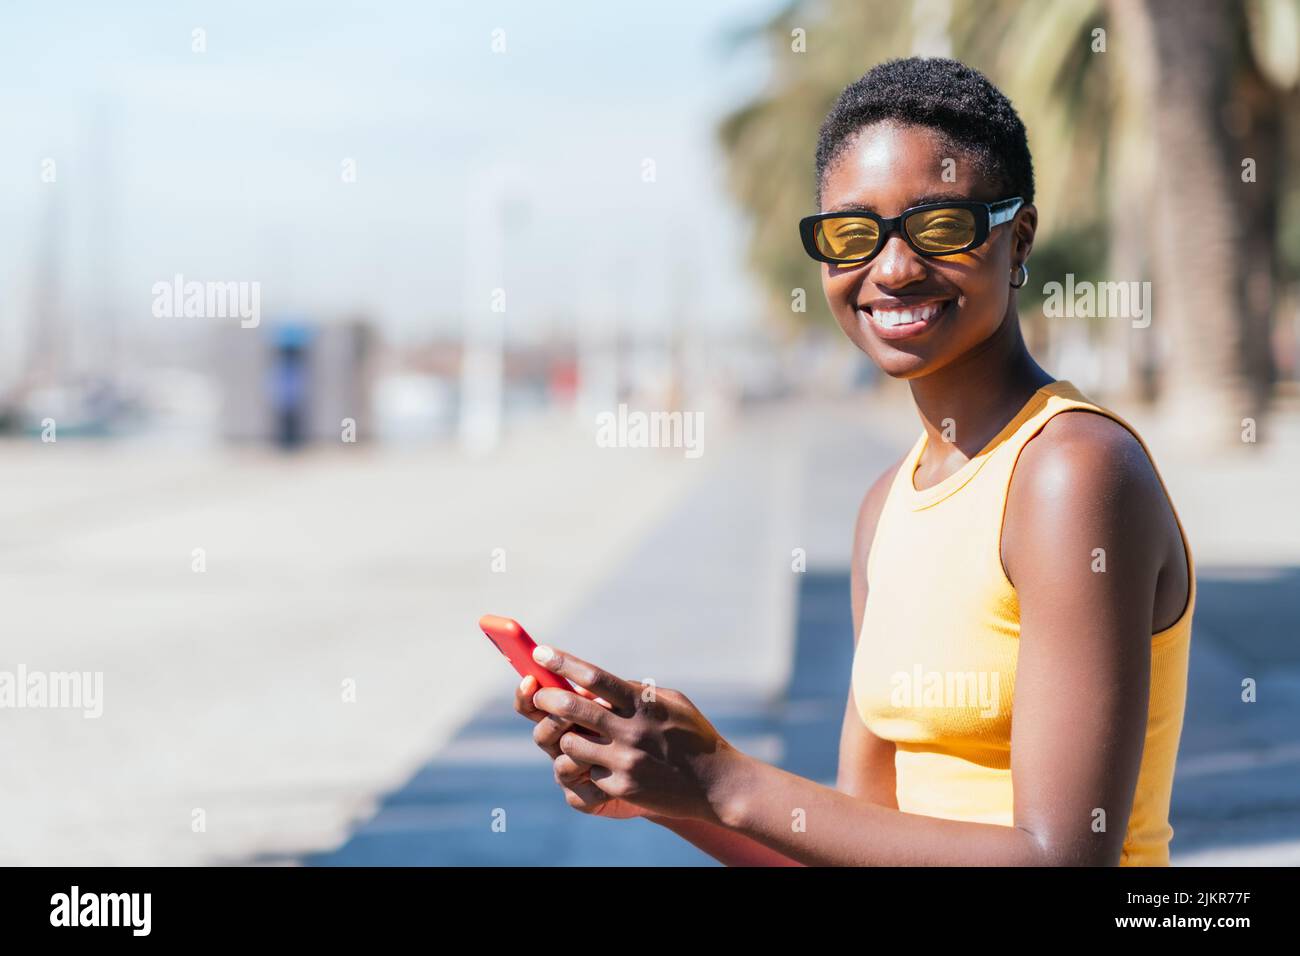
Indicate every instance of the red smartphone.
{"type": "Point", "coordinates": [514, 643]}
{"type": "Point", "coordinates": [516, 646]}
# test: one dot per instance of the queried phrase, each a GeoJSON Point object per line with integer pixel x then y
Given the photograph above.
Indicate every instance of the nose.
{"type": "Point", "coordinates": [896, 265]}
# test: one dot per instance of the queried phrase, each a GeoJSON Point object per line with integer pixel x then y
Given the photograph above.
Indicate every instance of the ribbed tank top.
{"type": "Point", "coordinates": [920, 652]}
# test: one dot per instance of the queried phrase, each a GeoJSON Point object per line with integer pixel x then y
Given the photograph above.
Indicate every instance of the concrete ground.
{"type": "Point", "coordinates": [224, 690]}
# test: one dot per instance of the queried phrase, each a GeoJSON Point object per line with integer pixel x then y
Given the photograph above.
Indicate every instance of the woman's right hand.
{"type": "Point", "coordinates": [573, 776]}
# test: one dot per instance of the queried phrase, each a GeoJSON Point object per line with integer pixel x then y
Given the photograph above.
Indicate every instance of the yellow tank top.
{"type": "Point", "coordinates": [936, 674]}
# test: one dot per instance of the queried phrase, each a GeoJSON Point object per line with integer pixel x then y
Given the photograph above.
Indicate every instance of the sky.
{"type": "Point", "coordinates": [228, 164]}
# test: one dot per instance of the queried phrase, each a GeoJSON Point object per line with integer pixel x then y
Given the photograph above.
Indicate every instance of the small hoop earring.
{"type": "Point", "coordinates": [1024, 277]}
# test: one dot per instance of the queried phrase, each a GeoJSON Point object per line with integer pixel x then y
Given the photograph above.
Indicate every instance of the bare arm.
{"type": "Point", "coordinates": [726, 846]}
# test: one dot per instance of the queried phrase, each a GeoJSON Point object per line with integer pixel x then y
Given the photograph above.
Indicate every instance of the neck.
{"type": "Point", "coordinates": [979, 392]}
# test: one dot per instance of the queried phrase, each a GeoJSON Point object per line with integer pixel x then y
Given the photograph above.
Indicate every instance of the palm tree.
{"type": "Point", "coordinates": [1223, 79]}
{"type": "Point", "coordinates": [1198, 223]}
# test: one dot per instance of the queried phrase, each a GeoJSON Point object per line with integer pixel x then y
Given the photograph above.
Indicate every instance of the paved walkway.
{"type": "Point", "coordinates": [1237, 789]}
{"type": "Point", "coordinates": [222, 689]}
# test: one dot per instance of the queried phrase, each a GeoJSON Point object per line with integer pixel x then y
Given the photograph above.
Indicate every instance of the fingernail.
{"type": "Point", "coordinates": [543, 654]}
{"type": "Point", "coordinates": [603, 702]}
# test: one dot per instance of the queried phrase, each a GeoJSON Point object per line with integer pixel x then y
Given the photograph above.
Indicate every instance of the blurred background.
{"type": "Point", "coordinates": [447, 237]}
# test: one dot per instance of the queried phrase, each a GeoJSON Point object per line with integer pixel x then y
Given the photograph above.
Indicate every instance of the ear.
{"type": "Point", "coordinates": [1023, 228]}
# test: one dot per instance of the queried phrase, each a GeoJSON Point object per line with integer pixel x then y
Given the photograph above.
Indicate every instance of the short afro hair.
{"type": "Point", "coordinates": [954, 100]}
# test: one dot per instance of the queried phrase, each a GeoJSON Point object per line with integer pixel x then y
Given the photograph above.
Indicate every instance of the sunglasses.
{"type": "Point", "coordinates": [934, 229]}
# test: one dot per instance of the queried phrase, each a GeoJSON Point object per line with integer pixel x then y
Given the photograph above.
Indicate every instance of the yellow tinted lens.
{"type": "Point", "coordinates": [848, 237]}
{"type": "Point", "coordinates": [941, 230]}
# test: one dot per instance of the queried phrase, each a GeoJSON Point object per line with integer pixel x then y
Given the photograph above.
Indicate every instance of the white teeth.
{"type": "Point", "coordinates": [888, 318]}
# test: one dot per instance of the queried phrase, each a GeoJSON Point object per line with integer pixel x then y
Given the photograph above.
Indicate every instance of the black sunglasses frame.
{"type": "Point", "coordinates": [987, 215]}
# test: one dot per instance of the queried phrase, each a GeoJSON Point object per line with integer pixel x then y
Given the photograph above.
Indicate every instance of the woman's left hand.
{"type": "Point", "coordinates": [655, 750]}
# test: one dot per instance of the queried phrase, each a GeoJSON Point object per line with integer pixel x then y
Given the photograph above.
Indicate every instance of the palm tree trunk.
{"type": "Point", "coordinates": [1257, 134]}
{"type": "Point", "coordinates": [1198, 250]}
{"type": "Point", "coordinates": [1128, 354]}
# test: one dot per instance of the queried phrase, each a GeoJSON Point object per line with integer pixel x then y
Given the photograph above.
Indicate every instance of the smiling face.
{"type": "Point", "coordinates": [912, 314]}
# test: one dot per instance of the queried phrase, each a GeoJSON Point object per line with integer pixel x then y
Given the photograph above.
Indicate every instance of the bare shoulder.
{"type": "Point", "coordinates": [1087, 477]}
{"type": "Point", "coordinates": [1084, 450]}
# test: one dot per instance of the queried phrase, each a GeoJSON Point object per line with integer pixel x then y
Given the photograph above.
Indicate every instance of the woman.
{"type": "Point", "coordinates": [1022, 558]}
